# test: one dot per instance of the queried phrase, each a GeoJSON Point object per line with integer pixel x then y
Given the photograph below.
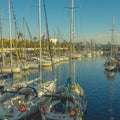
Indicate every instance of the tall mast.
{"type": "Point", "coordinates": [24, 37]}
{"type": "Point", "coordinates": [112, 36]}
{"type": "Point", "coordinates": [48, 39]}
{"type": "Point", "coordinates": [10, 37]}
{"type": "Point", "coordinates": [72, 28]}
{"type": "Point", "coordinates": [2, 42]}
{"type": "Point", "coordinates": [39, 33]}
{"type": "Point", "coordinates": [72, 25]}
{"type": "Point", "coordinates": [72, 65]}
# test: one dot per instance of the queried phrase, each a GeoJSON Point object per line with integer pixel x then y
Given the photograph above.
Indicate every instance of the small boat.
{"type": "Point", "coordinates": [110, 65]}
{"type": "Point", "coordinates": [68, 104]}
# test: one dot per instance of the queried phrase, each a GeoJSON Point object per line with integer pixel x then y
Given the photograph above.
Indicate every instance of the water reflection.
{"type": "Point", "coordinates": [111, 77]}
{"type": "Point", "coordinates": [112, 87]}
{"type": "Point", "coordinates": [109, 74]}
{"type": "Point", "coordinates": [20, 75]}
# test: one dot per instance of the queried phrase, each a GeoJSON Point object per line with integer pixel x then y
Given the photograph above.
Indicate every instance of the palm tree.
{"type": "Point", "coordinates": [20, 35]}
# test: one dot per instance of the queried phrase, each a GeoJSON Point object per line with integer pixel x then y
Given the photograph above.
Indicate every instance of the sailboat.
{"type": "Point", "coordinates": [10, 74]}
{"type": "Point", "coordinates": [110, 64]}
{"type": "Point", "coordinates": [6, 73]}
{"type": "Point", "coordinates": [3, 67]}
{"type": "Point", "coordinates": [69, 101]}
{"type": "Point", "coordinates": [26, 99]}
{"type": "Point", "coordinates": [10, 67]}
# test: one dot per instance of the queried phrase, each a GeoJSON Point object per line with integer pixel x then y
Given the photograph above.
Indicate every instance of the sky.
{"type": "Point", "coordinates": [93, 19]}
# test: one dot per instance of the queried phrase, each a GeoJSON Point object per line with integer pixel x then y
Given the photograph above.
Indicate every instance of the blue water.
{"type": "Point", "coordinates": [103, 93]}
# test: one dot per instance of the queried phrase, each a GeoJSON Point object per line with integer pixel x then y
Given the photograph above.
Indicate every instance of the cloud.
{"type": "Point", "coordinates": [104, 38]}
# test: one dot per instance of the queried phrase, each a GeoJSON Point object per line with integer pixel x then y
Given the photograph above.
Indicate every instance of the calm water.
{"type": "Point", "coordinates": [103, 93]}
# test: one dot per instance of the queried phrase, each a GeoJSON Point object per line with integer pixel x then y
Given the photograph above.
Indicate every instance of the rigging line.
{"type": "Point", "coordinates": [16, 32]}
{"type": "Point", "coordinates": [31, 39]}
{"type": "Point", "coordinates": [48, 37]}
{"type": "Point", "coordinates": [15, 20]}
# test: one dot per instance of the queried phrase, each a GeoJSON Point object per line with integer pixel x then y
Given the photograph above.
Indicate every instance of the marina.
{"type": "Point", "coordinates": [51, 70]}
{"type": "Point", "coordinates": [102, 90]}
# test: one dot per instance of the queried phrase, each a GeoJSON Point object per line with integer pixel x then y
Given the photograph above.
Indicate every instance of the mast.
{"type": "Point", "coordinates": [112, 36]}
{"type": "Point", "coordinates": [72, 25]}
{"type": "Point", "coordinates": [39, 33]}
{"type": "Point", "coordinates": [24, 42]}
{"type": "Point", "coordinates": [2, 42]}
{"type": "Point", "coordinates": [17, 34]}
{"type": "Point", "coordinates": [10, 37]}
{"type": "Point", "coordinates": [48, 39]}
{"type": "Point", "coordinates": [72, 65]}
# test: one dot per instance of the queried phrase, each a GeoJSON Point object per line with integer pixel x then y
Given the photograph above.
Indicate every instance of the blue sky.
{"type": "Point", "coordinates": [93, 18]}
